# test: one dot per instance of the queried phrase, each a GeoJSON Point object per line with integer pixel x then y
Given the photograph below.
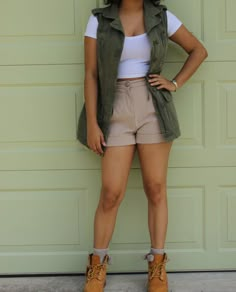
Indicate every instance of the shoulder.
{"type": "Point", "coordinates": [99, 11]}
{"type": "Point", "coordinates": [170, 14]}
{"type": "Point", "coordinates": [173, 23]}
{"type": "Point", "coordinates": [172, 18]}
{"type": "Point", "coordinates": [91, 29]}
{"type": "Point", "coordinates": [93, 20]}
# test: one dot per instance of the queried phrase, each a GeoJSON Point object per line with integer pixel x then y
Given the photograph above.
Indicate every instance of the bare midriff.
{"type": "Point", "coordinates": [135, 78]}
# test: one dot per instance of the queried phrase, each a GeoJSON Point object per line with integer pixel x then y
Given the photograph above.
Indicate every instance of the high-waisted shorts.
{"type": "Point", "coordinates": [134, 119]}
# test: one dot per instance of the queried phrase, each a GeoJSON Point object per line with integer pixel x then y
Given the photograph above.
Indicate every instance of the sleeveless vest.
{"type": "Point", "coordinates": [110, 40]}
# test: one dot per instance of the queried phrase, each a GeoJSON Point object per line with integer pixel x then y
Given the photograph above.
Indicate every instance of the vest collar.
{"type": "Point", "coordinates": [150, 12]}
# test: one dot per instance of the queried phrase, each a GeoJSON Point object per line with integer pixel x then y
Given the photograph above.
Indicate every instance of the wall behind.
{"type": "Point", "coordinates": [49, 183]}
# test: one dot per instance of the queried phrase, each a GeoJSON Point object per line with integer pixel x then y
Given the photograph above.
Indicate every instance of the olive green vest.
{"type": "Point", "coordinates": [110, 40]}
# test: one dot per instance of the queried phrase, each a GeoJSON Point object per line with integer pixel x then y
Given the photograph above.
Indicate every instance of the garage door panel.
{"type": "Point", "coordinates": [227, 22]}
{"type": "Point", "coordinates": [62, 22]}
{"type": "Point", "coordinates": [46, 114]}
{"type": "Point", "coordinates": [227, 218]}
{"type": "Point", "coordinates": [39, 115]}
{"type": "Point", "coordinates": [230, 16]}
{"type": "Point", "coordinates": [42, 217]}
{"type": "Point", "coordinates": [226, 108]}
{"type": "Point", "coordinates": [191, 120]}
{"type": "Point", "coordinates": [186, 209]}
{"type": "Point", "coordinates": [43, 75]}
{"type": "Point", "coordinates": [220, 31]}
{"type": "Point", "coordinates": [43, 221]}
{"type": "Point", "coordinates": [29, 40]}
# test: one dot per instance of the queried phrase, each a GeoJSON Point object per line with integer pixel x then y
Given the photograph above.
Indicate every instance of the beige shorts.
{"type": "Point", "coordinates": [134, 119]}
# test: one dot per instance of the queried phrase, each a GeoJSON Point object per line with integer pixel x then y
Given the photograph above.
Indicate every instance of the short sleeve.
{"type": "Point", "coordinates": [173, 23]}
{"type": "Point", "coordinates": [92, 25]}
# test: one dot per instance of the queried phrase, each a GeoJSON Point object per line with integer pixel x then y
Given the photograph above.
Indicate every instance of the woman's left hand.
{"type": "Point", "coordinates": [161, 82]}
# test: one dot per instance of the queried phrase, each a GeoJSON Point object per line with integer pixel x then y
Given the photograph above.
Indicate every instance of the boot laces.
{"type": "Point", "coordinates": [95, 272]}
{"type": "Point", "coordinates": [156, 271]}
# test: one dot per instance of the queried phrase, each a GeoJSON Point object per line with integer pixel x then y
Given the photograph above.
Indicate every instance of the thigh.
{"type": "Point", "coordinates": [154, 161]}
{"type": "Point", "coordinates": [115, 165]}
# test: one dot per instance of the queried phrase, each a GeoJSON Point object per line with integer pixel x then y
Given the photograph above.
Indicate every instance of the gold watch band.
{"type": "Point", "coordinates": [175, 84]}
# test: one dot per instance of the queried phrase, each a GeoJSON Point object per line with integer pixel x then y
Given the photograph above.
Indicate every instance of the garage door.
{"type": "Point", "coordinates": [49, 183]}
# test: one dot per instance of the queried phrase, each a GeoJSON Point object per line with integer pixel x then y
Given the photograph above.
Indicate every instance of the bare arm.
{"type": "Point", "coordinates": [197, 53]}
{"type": "Point", "coordinates": [94, 134]}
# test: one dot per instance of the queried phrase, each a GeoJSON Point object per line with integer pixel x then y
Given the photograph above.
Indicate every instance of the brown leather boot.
{"type": "Point", "coordinates": [157, 277]}
{"type": "Point", "coordinates": [96, 274]}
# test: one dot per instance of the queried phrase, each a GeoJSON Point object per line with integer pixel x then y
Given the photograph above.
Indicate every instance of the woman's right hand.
{"type": "Point", "coordinates": [95, 138]}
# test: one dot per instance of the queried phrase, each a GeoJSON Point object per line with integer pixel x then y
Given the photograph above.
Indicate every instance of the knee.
{"type": "Point", "coordinates": [156, 192]}
{"type": "Point", "coordinates": [110, 199]}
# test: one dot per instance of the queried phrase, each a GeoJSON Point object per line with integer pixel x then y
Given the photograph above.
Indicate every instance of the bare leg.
{"type": "Point", "coordinates": [154, 164]}
{"type": "Point", "coordinates": [116, 165]}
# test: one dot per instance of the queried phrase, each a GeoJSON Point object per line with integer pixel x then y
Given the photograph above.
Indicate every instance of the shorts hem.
{"type": "Point", "coordinates": [121, 140]}
{"type": "Point", "coordinates": [150, 138]}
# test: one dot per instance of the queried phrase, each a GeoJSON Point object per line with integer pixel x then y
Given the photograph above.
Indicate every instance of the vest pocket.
{"type": "Point", "coordinates": [167, 110]}
{"type": "Point", "coordinates": [162, 96]}
{"type": "Point", "coordinates": [171, 115]}
{"type": "Point", "coordinates": [166, 94]}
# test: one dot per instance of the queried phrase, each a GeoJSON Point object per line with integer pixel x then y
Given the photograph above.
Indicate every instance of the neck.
{"type": "Point", "coordinates": [131, 5]}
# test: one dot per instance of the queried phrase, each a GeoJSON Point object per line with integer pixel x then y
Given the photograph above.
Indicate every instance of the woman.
{"type": "Point", "coordinates": [128, 106]}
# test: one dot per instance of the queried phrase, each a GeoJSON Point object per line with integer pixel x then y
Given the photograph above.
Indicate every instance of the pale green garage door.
{"type": "Point", "coordinates": [49, 183]}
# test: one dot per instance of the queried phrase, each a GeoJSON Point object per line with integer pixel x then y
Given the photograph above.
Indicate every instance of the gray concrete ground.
{"type": "Point", "coordinates": [178, 282]}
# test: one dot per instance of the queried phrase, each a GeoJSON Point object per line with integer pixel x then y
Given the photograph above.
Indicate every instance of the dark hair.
{"type": "Point", "coordinates": [107, 2]}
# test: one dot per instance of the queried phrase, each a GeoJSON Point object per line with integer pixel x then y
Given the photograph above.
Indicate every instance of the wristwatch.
{"type": "Point", "coordinates": [175, 84]}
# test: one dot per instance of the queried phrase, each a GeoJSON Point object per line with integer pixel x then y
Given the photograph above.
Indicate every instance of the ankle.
{"type": "Point", "coordinates": [157, 250]}
{"type": "Point", "coordinates": [101, 253]}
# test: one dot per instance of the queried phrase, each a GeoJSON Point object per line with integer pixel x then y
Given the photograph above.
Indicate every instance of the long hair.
{"type": "Point", "coordinates": [108, 2]}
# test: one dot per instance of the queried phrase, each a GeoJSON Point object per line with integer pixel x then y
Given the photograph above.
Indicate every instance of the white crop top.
{"type": "Point", "coordinates": [135, 56]}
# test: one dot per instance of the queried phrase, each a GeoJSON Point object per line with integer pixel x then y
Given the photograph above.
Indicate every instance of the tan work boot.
{"type": "Point", "coordinates": [157, 277]}
{"type": "Point", "coordinates": [96, 274]}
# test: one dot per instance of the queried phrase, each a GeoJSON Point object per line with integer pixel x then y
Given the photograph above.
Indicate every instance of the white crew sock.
{"type": "Point", "coordinates": [157, 251]}
{"type": "Point", "coordinates": [101, 253]}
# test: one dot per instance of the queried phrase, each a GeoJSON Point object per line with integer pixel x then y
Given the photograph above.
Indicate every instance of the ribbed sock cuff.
{"type": "Point", "coordinates": [157, 251]}
{"type": "Point", "coordinates": [101, 253]}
